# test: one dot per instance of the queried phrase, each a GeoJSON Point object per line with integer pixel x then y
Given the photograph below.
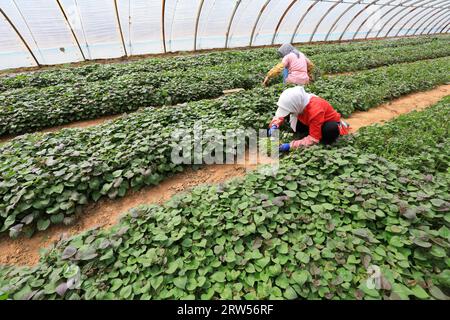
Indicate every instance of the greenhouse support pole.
{"type": "Point", "coordinates": [120, 28]}
{"type": "Point", "coordinates": [425, 21]}
{"type": "Point", "coordinates": [257, 21]}
{"type": "Point", "coordinates": [388, 12]}
{"type": "Point", "coordinates": [354, 17]}
{"type": "Point", "coordinates": [376, 23]}
{"type": "Point", "coordinates": [442, 26]}
{"type": "Point", "coordinates": [438, 18]}
{"type": "Point", "coordinates": [321, 19]}
{"type": "Point", "coordinates": [439, 23]}
{"type": "Point", "coordinates": [281, 20]}
{"type": "Point", "coordinates": [71, 29]}
{"type": "Point", "coordinates": [197, 20]}
{"type": "Point", "coordinates": [20, 36]}
{"type": "Point", "coordinates": [339, 18]}
{"type": "Point", "coordinates": [401, 11]}
{"type": "Point", "coordinates": [238, 3]}
{"type": "Point", "coordinates": [398, 20]}
{"type": "Point", "coordinates": [311, 6]}
{"type": "Point", "coordinates": [426, 15]}
{"type": "Point", "coordinates": [163, 24]}
{"type": "Point", "coordinates": [420, 18]}
{"type": "Point", "coordinates": [364, 22]}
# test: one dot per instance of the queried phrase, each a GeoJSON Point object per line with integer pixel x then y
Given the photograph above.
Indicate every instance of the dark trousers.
{"type": "Point", "coordinates": [330, 132]}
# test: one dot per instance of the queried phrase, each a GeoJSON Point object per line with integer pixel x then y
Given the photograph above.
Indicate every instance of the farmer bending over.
{"type": "Point", "coordinates": [295, 67]}
{"type": "Point", "coordinates": [312, 119]}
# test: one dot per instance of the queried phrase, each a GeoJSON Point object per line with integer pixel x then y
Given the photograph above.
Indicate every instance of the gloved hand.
{"type": "Point", "coordinates": [272, 130]}
{"type": "Point", "coordinates": [285, 147]}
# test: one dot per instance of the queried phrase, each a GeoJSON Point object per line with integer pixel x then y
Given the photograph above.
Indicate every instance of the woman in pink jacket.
{"type": "Point", "coordinates": [294, 66]}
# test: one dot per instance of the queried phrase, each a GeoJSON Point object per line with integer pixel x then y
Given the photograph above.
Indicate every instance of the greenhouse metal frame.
{"type": "Point", "coordinates": [46, 32]}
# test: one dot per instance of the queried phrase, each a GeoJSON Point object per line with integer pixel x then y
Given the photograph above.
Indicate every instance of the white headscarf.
{"type": "Point", "coordinates": [293, 101]}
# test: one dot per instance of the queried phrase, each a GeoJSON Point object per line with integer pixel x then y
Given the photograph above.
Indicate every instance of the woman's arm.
{"type": "Point", "coordinates": [274, 72]}
{"type": "Point", "coordinates": [305, 142]}
{"type": "Point", "coordinates": [315, 132]}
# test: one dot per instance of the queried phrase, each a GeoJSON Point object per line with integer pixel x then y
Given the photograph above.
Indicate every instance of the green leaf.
{"type": "Point", "coordinates": [419, 292]}
{"type": "Point", "coordinates": [43, 224]}
{"type": "Point", "coordinates": [218, 276]}
{"type": "Point", "coordinates": [180, 282]}
{"type": "Point", "coordinates": [115, 284]}
{"type": "Point", "coordinates": [290, 293]}
{"type": "Point", "coordinates": [292, 185]}
{"type": "Point", "coordinates": [300, 277]}
{"type": "Point", "coordinates": [125, 292]}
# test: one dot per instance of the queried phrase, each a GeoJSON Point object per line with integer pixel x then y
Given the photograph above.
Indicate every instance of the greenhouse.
{"type": "Point", "coordinates": [224, 150]}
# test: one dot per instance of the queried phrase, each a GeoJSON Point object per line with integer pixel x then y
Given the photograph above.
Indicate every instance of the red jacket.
{"type": "Point", "coordinates": [316, 113]}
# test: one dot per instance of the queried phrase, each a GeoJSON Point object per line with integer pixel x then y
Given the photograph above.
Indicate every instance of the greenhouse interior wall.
{"type": "Point", "coordinates": [49, 32]}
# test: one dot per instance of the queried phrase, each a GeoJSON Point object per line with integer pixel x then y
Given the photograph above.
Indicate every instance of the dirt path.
{"type": "Point", "coordinates": [106, 212]}
{"type": "Point", "coordinates": [392, 109]}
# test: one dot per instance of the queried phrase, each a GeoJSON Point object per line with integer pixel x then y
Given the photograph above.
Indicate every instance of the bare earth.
{"type": "Point", "coordinates": [107, 212]}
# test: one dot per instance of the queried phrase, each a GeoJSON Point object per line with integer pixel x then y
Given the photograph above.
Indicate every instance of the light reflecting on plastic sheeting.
{"type": "Point", "coordinates": [92, 27]}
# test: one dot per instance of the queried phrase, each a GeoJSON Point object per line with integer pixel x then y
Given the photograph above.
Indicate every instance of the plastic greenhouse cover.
{"type": "Point", "coordinates": [39, 32]}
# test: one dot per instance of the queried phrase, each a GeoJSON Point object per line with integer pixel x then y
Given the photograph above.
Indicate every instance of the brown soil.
{"type": "Point", "coordinates": [107, 212]}
{"type": "Point", "coordinates": [392, 109]}
{"type": "Point", "coordinates": [78, 124]}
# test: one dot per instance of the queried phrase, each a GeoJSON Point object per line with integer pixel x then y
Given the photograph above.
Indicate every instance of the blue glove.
{"type": "Point", "coordinates": [271, 130]}
{"type": "Point", "coordinates": [285, 147]}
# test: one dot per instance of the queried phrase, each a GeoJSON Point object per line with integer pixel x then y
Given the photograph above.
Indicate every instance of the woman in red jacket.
{"type": "Point", "coordinates": [311, 117]}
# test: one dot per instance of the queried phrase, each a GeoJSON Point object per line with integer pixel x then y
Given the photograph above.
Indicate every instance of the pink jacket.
{"type": "Point", "coordinates": [297, 67]}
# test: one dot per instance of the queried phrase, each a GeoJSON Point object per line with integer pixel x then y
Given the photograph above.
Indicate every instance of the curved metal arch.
{"type": "Point", "coordinates": [439, 2]}
{"type": "Point", "coordinates": [163, 24]}
{"type": "Point", "coordinates": [425, 21]}
{"type": "Point", "coordinates": [439, 23]}
{"type": "Point", "coordinates": [388, 12]}
{"type": "Point", "coordinates": [339, 18]}
{"type": "Point", "coordinates": [120, 28]}
{"type": "Point", "coordinates": [384, 15]}
{"type": "Point", "coordinates": [263, 8]}
{"type": "Point", "coordinates": [444, 13]}
{"type": "Point", "coordinates": [354, 17]}
{"type": "Point", "coordinates": [425, 12]}
{"type": "Point", "coordinates": [321, 19]}
{"type": "Point", "coordinates": [238, 3]}
{"type": "Point", "coordinates": [311, 6]}
{"type": "Point", "coordinates": [412, 28]}
{"type": "Point", "coordinates": [289, 7]}
{"type": "Point", "coordinates": [71, 29]}
{"type": "Point", "coordinates": [197, 20]}
{"type": "Point", "coordinates": [442, 27]}
{"type": "Point", "coordinates": [20, 37]}
{"type": "Point", "coordinates": [408, 11]}
{"type": "Point", "coordinates": [364, 22]}
{"type": "Point", "coordinates": [448, 28]}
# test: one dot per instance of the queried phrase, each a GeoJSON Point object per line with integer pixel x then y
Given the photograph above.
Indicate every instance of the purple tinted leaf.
{"type": "Point", "coordinates": [122, 231]}
{"type": "Point", "coordinates": [61, 289]}
{"type": "Point", "coordinates": [68, 252]}
{"type": "Point", "coordinates": [15, 230]}
{"type": "Point", "coordinates": [104, 244]}
{"type": "Point", "coordinates": [28, 219]}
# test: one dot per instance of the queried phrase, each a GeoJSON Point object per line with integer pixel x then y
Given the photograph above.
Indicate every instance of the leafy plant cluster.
{"type": "Point", "coordinates": [367, 89]}
{"type": "Point", "coordinates": [418, 140]}
{"type": "Point", "coordinates": [47, 178]}
{"type": "Point", "coordinates": [30, 109]}
{"type": "Point", "coordinates": [97, 72]}
{"type": "Point", "coordinates": [314, 229]}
